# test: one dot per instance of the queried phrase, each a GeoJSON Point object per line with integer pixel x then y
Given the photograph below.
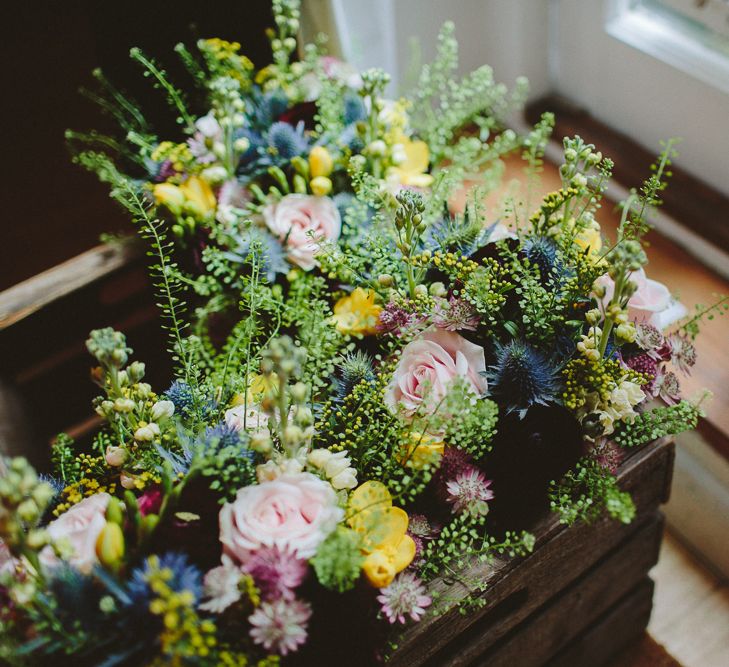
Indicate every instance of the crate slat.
{"type": "Point", "coordinates": [517, 587]}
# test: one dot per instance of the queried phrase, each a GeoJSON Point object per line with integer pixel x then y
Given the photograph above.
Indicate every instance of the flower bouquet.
{"type": "Point", "coordinates": [399, 387]}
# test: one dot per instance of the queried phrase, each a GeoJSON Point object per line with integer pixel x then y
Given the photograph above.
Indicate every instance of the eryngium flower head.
{"type": "Point", "coordinates": [405, 596]}
{"type": "Point", "coordinates": [542, 251]}
{"type": "Point", "coordinates": [522, 377]}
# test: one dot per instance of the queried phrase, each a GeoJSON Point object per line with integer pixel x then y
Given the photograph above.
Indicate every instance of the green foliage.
{"type": "Point", "coordinates": [308, 310]}
{"type": "Point", "coordinates": [658, 423]}
{"type": "Point", "coordinates": [469, 422]}
{"type": "Point", "coordinates": [338, 561]}
{"type": "Point", "coordinates": [442, 104]}
{"type": "Point", "coordinates": [228, 467]}
{"type": "Point", "coordinates": [163, 269]}
{"type": "Point", "coordinates": [691, 326]}
{"type": "Point", "coordinates": [587, 491]}
{"type": "Point", "coordinates": [174, 97]}
{"type": "Point", "coordinates": [63, 459]}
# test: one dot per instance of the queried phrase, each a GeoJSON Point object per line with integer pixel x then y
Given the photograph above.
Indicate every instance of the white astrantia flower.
{"type": "Point", "coordinates": [220, 587]}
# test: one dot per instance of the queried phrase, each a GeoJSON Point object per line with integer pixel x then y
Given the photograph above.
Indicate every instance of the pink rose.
{"type": "Point", "coordinates": [301, 222]}
{"type": "Point", "coordinates": [293, 512]}
{"type": "Point", "coordinates": [429, 365]}
{"type": "Point", "coordinates": [79, 526]}
{"type": "Point", "coordinates": [652, 302]}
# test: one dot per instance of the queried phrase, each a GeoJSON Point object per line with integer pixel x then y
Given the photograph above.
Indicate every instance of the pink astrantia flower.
{"type": "Point", "coordinates": [427, 368]}
{"type": "Point", "coordinates": [78, 527]}
{"type": "Point", "coordinates": [651, 302]}
{"type": "Point", "coordinates": [276, 572]}
{"type": "Point", "coordinates": [301, 222]}
{"type": "Point", "coordinates": [469, 492]}
{"type": "Point", "coordinates": [294, 512]}
{"type": "Point", "coordinates": [405, 596]}
{"type": "Point", "coordinates": [454, 314]}
{"type": "Point", "coordinates": [280, 625]}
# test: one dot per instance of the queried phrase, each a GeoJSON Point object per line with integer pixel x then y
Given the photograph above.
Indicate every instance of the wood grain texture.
{"type": "Point", "coordinates": [31, 295]}
{"type": "Point", "coordinates": [517, 587]}
{"type": "Point", "coordinates": [625, 620]}
{"type": "Point", "coordinates": [572, 611]}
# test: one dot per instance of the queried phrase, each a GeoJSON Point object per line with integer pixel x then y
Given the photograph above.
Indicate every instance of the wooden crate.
{"type": "Point", "coordinates": [580, 597]}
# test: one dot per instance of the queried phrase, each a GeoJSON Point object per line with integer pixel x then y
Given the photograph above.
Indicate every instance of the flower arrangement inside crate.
{"type": "Point", "coordinates": [394, 388]}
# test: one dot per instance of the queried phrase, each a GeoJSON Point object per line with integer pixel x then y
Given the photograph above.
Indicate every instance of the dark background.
{"type": "Point", "coordinates": [52, 209]}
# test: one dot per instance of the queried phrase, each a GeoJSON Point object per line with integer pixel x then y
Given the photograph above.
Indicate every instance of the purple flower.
{"type": "Point", "coordinates": [280, 625]}
{"type": "Point", "coordinates": [646, 364]}
{"type": "Point", "coordinates": [469, 492]}
{"type": "Point", "coordinates": [454, 314]}
{"type": "Point", "coordinates": [405, 596]}
{"type": "Point", "coordinates": [395, 319]}
{"type": "Point", "coordinates": [608, 454]}
{"type": "Point", "coordinates": [276, 573]}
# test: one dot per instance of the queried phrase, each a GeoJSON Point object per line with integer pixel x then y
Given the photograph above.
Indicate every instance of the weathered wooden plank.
{"type": "Point", "coordinates": [517, 587]}
{"type": "Point", "coordinates": [567, 615]}
{"type": "Point", "coordinates": [621, 625]}
{"type": "Point", "coordinates": [33, 294]}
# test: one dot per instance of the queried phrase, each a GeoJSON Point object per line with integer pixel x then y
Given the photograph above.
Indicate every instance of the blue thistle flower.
{"type": "Point", "coordinates": [354, 109]}
{"type": "Point", "coordinates": [542, 251]}
{"type": "Point", "coordinates": [270, 254]}
{"type": "Point", "coordinates": [184, 577]}
{"type": "Point", "coordinates": [180, 393]}
{"type": "Point", "coordinates": [287, 141]}
{"type": "Point", "coordinates": [354, 368]}
{"type": "Point", "coordinates": [522, 377]}
{"type": "Point", "coordinates": [77, 598]}
{"type": "Point", "coordinates": [221, 435]}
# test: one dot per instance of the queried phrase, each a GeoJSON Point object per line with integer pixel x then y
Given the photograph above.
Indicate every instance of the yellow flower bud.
{"type": "Point", "coordinates": [320, 162]}
{"type": "Point", "coordinates": [321, 186]}
{"type": "Point", "coordinates": [110, 546]}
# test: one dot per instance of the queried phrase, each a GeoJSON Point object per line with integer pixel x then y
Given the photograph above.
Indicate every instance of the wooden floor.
{"type": "Point", "coordinates": [690, 609]}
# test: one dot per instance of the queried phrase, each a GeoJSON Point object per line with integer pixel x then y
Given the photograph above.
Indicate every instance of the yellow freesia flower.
{"type": "Point", "coordinates": [590, 240]}
{"type": "Point", "coordinates": [423, 449]}
{"type": "Point", "coordinates": [200, 198]}
{"type": "Point", "coordinates": [357, 313]}
{"type": "Point", "coordinates": [320, 162]}
{"type": "Point", "coordinates": [258, 385]}
{"type": "Point", "coordinates": [194, 197]}
{"type": "Point", "coordinates": [412, 171]}
{"type": "Point", "coordinates": [387, 548]}
{"type": "Point", "coordinates": [169, 195]}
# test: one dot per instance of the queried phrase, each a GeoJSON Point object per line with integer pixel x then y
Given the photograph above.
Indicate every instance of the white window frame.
{"type": "Point", "coordinates": [669, 39]}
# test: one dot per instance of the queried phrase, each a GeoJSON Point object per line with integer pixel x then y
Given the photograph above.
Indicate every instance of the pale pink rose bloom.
{"type": "Point", "coordinates": [293, 512]}
{"type": "Point", "coordinates": [79, 526]}
{"type": "Point", "coordinates": [301, 222]}
{"type": "Point", "coordinates": [428, 366]}
{"type": "Point", "coordinates": [652, 302]}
